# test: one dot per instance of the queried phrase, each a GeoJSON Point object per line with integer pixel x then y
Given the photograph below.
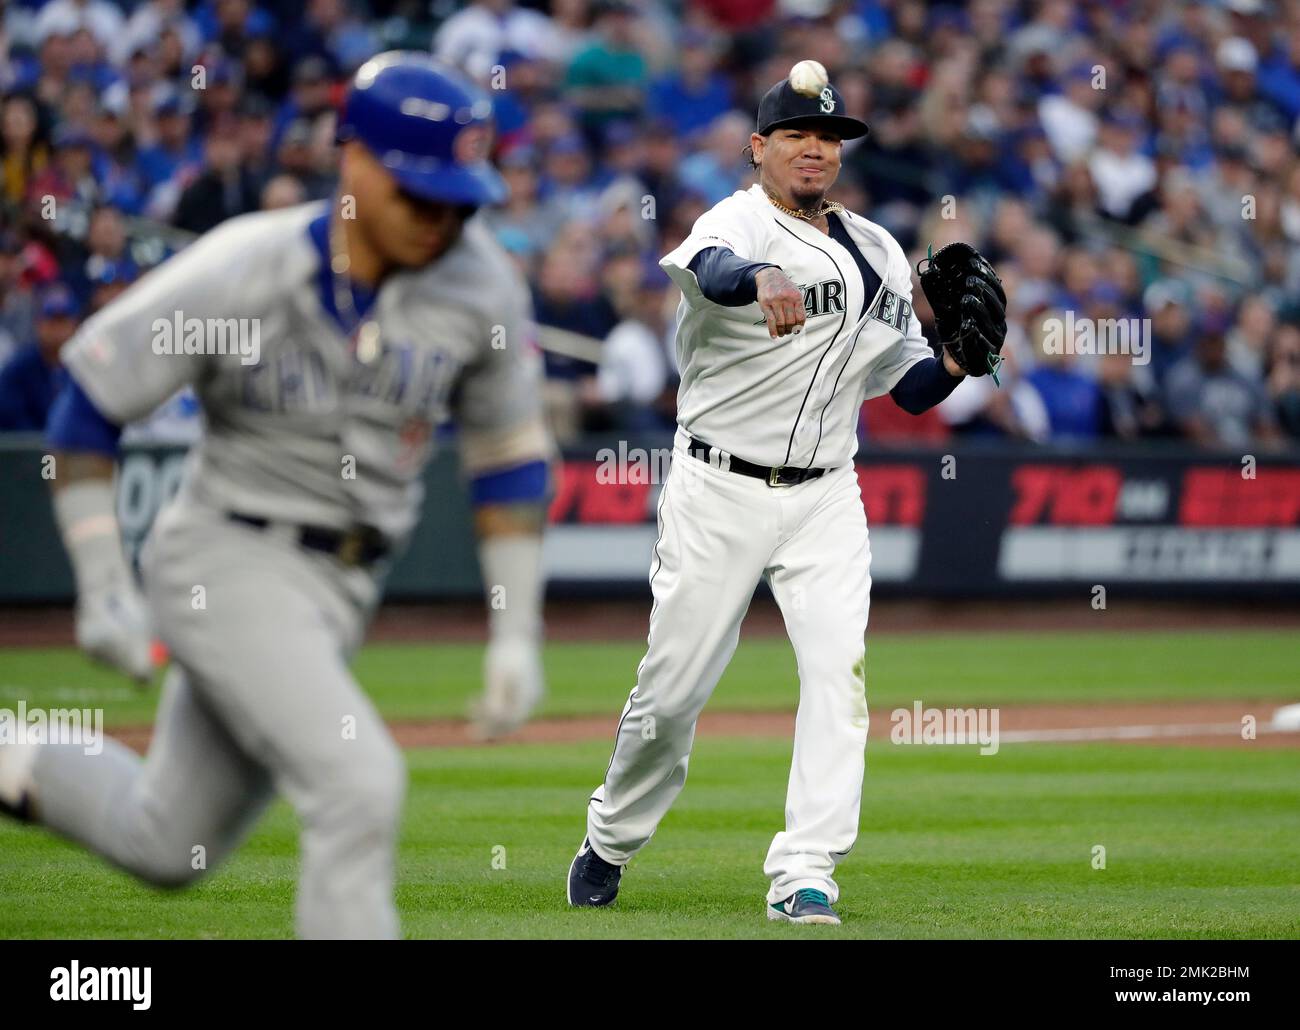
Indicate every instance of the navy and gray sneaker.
{"type": "Point", "coordinates": [804, 906]}
{"type": "Point", "coordinates": [593, 882]}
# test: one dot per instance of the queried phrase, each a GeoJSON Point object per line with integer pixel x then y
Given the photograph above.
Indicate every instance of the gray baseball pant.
{"type": "Point", "coordinates": [266, 703]}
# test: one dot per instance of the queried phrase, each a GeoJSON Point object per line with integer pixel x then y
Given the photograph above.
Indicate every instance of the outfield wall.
{"type": "Point", "coordinates": [962, 520]}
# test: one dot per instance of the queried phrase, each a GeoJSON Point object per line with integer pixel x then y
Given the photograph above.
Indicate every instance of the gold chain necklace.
{"type": "Point", "coordinates": [826, 207]}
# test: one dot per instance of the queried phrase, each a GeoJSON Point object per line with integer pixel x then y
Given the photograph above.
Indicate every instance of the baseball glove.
{"type": "Point", "coordinates": [970, 307]}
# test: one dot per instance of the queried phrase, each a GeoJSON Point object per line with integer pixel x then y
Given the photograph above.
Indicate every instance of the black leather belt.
{"type": "Point", "coordinates": [772, 475]}
{"type": "Point", "coordinates": [360, 545]}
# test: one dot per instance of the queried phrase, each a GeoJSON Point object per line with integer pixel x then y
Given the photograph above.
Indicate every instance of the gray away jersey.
{"type": "Point", "coordinates": [280, 432]}
{"type": "Point", "coordinates": [793, 400]}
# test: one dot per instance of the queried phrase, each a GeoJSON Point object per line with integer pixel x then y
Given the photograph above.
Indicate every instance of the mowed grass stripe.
{"type": "Point", "coordinates": [1198, 843]}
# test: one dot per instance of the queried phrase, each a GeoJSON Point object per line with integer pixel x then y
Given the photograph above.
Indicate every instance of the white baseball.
{"type": "Point", "coordinates": [809, 78]}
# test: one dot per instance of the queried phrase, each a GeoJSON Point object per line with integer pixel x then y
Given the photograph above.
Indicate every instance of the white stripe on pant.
{"type": "Point", "coordinates": [719, 533]}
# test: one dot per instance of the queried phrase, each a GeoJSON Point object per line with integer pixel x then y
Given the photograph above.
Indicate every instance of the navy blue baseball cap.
{"type": "Point", "coordinates": [783, 108]}
{"type": "Point", "coordinates": [429, 126]}
{"type": "Point", "coordinates": [58, 302]}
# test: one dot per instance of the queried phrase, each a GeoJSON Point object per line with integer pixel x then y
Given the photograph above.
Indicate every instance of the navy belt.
{"type": "Point", "coordinates": [772, 475]}
{"type": "Point", "coordinates": [360, 545]}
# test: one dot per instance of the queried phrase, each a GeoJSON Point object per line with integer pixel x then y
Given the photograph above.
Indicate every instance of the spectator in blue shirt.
{"type": "Point", "coordinates": [691, 95]}
{"type": "Point", "coordinates": [31, 378]}
{"type": "Point", "coordinates": [1074, 402]}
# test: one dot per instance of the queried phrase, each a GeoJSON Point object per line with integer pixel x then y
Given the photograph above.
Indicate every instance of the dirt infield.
{"type": "Point", "coordinates": [1201, 724]}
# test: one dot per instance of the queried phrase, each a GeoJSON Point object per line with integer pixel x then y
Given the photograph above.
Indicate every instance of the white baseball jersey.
{"type": "Point", "coordinates": [281, 430]}
{"type": "Point", "coordinates": [793, 400]}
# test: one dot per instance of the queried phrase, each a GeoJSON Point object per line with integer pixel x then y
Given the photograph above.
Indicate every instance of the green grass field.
{"type": "Point", "coordinates": [1198, 842]}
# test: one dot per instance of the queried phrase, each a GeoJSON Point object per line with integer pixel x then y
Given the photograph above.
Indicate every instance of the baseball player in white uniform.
{"type": "Point", "coordinates": [793, 312]}
{"type": "Point", "coordinates": [325, 343]}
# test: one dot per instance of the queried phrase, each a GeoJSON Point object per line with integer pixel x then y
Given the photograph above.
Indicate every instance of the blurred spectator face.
{"type": "Point", "coordinates": [404, 230]}
{"type": "Point", "coordinates": [18, 123]}
{"type": "Point", "coordinates": [260, 57]}
{"type": "Point", "coordinates": [52, 332]}
{"type": "Point", "coordinates": [728, 136]}
{"type": "Point", "coordinates": [1080, 93]}
{"type": "Point", "coordinates": [1182, 66]}
{"type": "Point", "coordinates": [232, 15]}
{"type": "Point", "coordinates": [79, 104]}
{"type": "Point", "coordinates": [282, 191]}
{"type": "Point", "coordinates": [1115, 369]}
{"type": "Point", "coordinates": [326, 14]}
{"type": "Point", "coordinates": [311, 86]}
{"type": "Point", "coordinates": [171, 49]}
{"type": "Point", "coordinates": [698, 60]}
{"type": "Point", "coordinates": [1256, 319]}
{"type": "Point", "coordinates": [74, 160]}
{"type": "Point", "coordinates": [617, 26]}
{"type": "Point", "coordinates": [1271, 153]}
{"type": "Point", "coordinates": [106, 292]}
{"type": "Point", "coordinates": [562, 279]}
{"type": "Point", "coordinates": [626, 155]}
{"type": "Point", "coordinates": [221, 151]}
{"type": "Point", "coordinates": [521, 178]}
{"type": "Point", "coordinates": [1010, 222]}
{"type": "Point", "coordinates": [1170, 321]}
{"type": "Point", "coordinates": [1118, 137]}
{"type": "Point", "coordinates": [662, 154]}
{"type": "Point", "coordinates": [1211, 352]}
{"type": "Point", "coordinates": [295, 153]}
{"type": "Point", "coordinates": [1181, 203]}
{"type": "Point", "coordinates": [1079, 273]}
{"type": "Point", "coordinates": [109, 130]}
{"type": "Point", "coordinates": [1122, 269]}
{"type": "Point", "coordinates": [684, 215]}
{"type": "Point", "coordinates": [82, 47]}
{"type": "Point", "coordinates": [255, 136]}
{"type": "Point", "coordinates": [1228, 127]}
{"type": "Point", "coordinates": [1048, 327]}
{"type": "Point", "coordinates": [106, 234]}
{"type": "Point", "coordinates": [174, 129]}
{"type": "Point", "coordinates": [551, 122]}
{"type": "Point", "coordinates": [909, 19]}
{"type": "Point", "coordinates": [1077, 185]}
{"type": "Point", "coordinates": [1286, 354]}
{"type": "Point", "coordinates": [621, 278]}
{"type": "Point", "coordinates": [1037, 254]}
{"type": "Point", "coordinates": [56, 55]}
{"type": "Point", "coordinates": [567, 164]}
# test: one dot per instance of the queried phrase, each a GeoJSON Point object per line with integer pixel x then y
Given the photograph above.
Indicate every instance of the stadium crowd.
{"type": "Point", "coordinates": [1127, 166]}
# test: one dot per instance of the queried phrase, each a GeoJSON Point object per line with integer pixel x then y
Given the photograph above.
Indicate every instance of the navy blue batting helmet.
{"type": "Point", "coordinates": [430, 127]}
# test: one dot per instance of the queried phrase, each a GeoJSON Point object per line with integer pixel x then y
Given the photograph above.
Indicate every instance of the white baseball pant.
{"type": "Point", "coordinates": [719, 532]}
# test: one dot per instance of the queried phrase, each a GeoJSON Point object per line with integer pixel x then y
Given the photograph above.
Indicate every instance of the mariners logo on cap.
{"type": "Point", "coordinates": [828, 100]}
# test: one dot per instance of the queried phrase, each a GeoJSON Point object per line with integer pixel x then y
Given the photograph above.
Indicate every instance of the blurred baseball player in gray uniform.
{"type": "Point", "coordinates": [326, 342]}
